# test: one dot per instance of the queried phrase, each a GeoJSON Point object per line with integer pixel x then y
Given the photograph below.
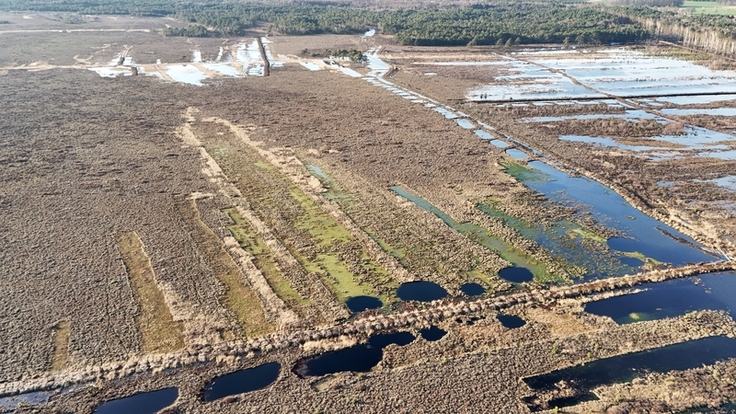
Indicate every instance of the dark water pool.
{"type": "Point", "coordinates": [143, 403]}
{"type": "Point", "coordinates": [715, 291]}
{"type": "Point", "coordinates": [360, 303]}
{"type": "Point", "coordinates": [421, 291]}
{"type": "Point", "coordinates": [242, 381]}
{"type": "Point", "coordinates": [358, 358]}
{"type": "Point", "coordinates": [516, 274]}
{"type": "Point", "coordinates": [624, 368]}
{"type": "Point", "coordinates": [510, 321]}
{"type": "Point", "coordinates": [432, 333]}
{"type": "Point", "coordinates": [472, 289]}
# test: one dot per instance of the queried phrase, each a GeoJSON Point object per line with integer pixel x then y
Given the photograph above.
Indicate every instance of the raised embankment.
{"type": "Point", "coordinates": [360, 327]}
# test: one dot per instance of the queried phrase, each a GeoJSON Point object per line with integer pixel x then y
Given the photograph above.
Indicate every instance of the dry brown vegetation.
{"type": "Point", "coordinates": [159, 332]}
{"type": "Point", "coordinates": [182, 236]}
{"type": "Point", "coordinates": [615, 127]}
{"type": "Point", "coordinates": [62, 332]}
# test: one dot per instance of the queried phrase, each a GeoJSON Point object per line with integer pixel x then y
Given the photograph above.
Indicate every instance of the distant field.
{"type": "Point", "coordinates": [709, 7]}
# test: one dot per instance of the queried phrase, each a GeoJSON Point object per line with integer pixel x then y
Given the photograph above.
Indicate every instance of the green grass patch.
{"type": "Point", "coordinates": [249, 241]}
{"type": "Point", "coordinates": [643, 258]}
{"type": "Point", "coordinates": [588, 234]}
{"type": "Point", "coordinates": [398, 253]}
{"type": "Point", "coordinates": [484, 238]}
{"type": "Point", "coordinates": [709, 7]}
{"type": "Point", "coordinates": [328, 235]}
{"type": "Point", "coordinates": [522, 173]}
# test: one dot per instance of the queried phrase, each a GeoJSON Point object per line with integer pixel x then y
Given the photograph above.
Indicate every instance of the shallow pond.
{"type": "Point", "coordinates": [421, 291]}
{"type": "Point", "coordinates": [432, 333]}
{"type": "Point", "coordinates": [472, 289]}
{"type": "Point", "coordinates": [631, 115]}
{"type": "Point", "coordinates": [185, 73]}
{"type": "Point", "coordinates": [700, 111]}
{"type": "Point", "coordinates": [707, 142]}
{"type": "Point", "coordinates": [510, 321]}
{"type": "Point", "coordinates": [728, 182]}
{"type": "Point", "coordinates": [360, 303]}
{"type": "Point", "coordinates": [516, 274]}
{"type": "Point", "coordinates": [517, 154]}
{"type": "Point", "coordinates": [222, 68]}
{"type": "Point", "coordinates": [143, 403]}
{"type": "Point", "coordinates": [483, 134]}
{"type": "Point", "coordinates": [464, 123]}
{"type": "Point", "coordinates": [358, 358]}
{"type": "Point", "coordinates": [445, 112]}
{"type": "Point", "coordinates": [624, 368]}
{"type": "Point", "coordinates": [570, 242]}
{"type": "Point", "coordinates": [242, 381]}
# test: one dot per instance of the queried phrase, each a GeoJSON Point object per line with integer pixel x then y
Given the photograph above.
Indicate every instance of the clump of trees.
{"type": "Point", "coordinates": [352, 54]}
{"type": "Point", "coordinates": [193, 30]}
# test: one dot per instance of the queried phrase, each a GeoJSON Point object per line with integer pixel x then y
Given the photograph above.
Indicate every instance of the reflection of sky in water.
{"type": "Point", "coordinates": [527, 81]}
{"type": "Point", "coordinates": [605, 142]}
{"type": "Point", "coordinates": [310, 65]}
{"type": "Point", "coordinates": [692, 100]}
{"type": "Point", "coordinates": [185, 73]}
{"type": "Point", "coordinates": [700, 111]}
{"type": "Point", "coordinates": [612, 210]}
{"type": "Point", "coordinates": [628, 72]}
{"type": "Point", "coordinates": [710, 144]}
{"type": "Point", "coordinates": [519, 155]}
{"type": "Point", "coordinates": [111, 72]}
{"type": "Point", "coordinates": [223, 68]}
{"type": "Point", "coordinates": [631, 115]}
{"type": "Point", "coordinates": [615, 71]}
{"type": "Point", "coordinates": [447, 114]}
{"type": "Point", "coordinates": [728, 181]}
{"type": "Point", "coordinates": [464, 123]}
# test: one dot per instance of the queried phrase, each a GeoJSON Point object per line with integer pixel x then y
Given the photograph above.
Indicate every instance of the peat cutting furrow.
{"type": "Point", "coordinates": [359, 328]}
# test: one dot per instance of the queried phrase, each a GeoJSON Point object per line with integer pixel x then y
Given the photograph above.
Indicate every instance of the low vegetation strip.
{"type": "Point", "coordinates": [62, 333]}
{"type": "Point", "coordinates": [238, 298]}
{"type": "Point", "coordinates": [159, 332]}
{"type": "Point", "coordinates": [263, 259]}
{"type": "Point", "coordinates": [282, 194]}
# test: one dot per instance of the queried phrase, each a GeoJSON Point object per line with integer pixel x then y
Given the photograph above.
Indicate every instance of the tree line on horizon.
{"type": "Point", "coordinates": [506, 22]}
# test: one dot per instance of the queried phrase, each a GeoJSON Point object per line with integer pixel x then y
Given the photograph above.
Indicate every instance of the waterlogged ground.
{"type": "Point", "coordinates": [597, 73]}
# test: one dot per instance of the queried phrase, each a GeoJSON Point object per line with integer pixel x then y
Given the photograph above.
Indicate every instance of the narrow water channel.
{"type": "Point", "coordinates": [583, 378]}
{"type": "Point", "coordinates": [478, 234]}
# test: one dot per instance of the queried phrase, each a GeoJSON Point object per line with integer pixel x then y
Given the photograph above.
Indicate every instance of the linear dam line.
{"type": "Point", "coordinates": [431, 313]}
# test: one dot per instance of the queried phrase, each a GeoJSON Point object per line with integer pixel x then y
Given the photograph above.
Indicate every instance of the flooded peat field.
{"type": "Point", "coordinates": [609, 90]}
